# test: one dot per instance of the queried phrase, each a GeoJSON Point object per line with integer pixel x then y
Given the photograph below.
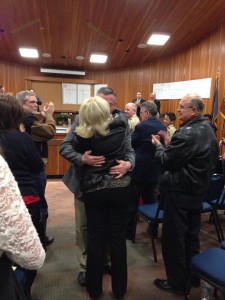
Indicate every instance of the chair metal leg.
{"type": "Point", "coordinates": [153, 242]}
{"type": "Point", "coordinates": [135, 228]}
{"type": "Point", "coordinates": [220, 227]}
{"type": "Point", "coordinates": [217, 225]}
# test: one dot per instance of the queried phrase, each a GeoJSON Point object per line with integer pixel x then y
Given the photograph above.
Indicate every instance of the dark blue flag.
{"type": "Point", "coordinates": [215, 102]}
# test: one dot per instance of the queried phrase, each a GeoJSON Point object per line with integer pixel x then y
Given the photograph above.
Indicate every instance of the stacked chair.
{"type": "Point", "coordinates": [214, 201]}
{"type": "Point", "coordinates": [210, 264]}
{"type": "Point", "coordinates": [153, 215]}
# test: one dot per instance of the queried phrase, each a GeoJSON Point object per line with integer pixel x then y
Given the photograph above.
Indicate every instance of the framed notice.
{"type": "Point", "coordinates": [83, 92]}
{"type": "Point", "coordinates": [73, 93]}
{"type": "Point", "coordinates": [69, 93]}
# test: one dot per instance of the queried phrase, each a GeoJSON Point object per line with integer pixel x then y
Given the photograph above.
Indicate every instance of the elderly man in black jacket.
{"type": "Point", "coordinates": [188, 162]}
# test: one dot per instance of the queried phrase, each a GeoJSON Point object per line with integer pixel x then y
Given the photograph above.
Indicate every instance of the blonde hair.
{"type": "Point", "coordinates": [94, 117]}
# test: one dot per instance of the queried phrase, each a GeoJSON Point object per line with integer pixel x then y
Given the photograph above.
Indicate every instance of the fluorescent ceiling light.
{"type": "Point", "coordinates": [46, 54]}
{"type": "Point", "coordinates": [59, 71]}
{"type": "Point", "coordinates": [158, 39]}
{"type": "Point", "coordinates": [98, 58]}
{"type": "Point", "coordinates": [26, 52]}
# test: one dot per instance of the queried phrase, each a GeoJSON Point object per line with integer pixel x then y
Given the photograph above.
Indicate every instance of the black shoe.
{"type": "Point", "coordinates": [107, 269]}
{"type": "Point", "coordinates": [49, 240]}
{"type": "Point", "coordinates": [82, 278]}
{"type": "Point", "coordinates": [195, 282]}
{"type": "Point", "coordinates": [129, 237]}
{"type": "Point", "coordinates": [164, 286]}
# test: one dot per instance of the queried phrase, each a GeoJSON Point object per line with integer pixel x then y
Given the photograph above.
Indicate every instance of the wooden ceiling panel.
{"type": "Point", "coordinates": [70, 28]}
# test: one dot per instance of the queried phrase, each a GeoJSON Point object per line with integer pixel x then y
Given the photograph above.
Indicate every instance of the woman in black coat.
{"type": "Point", "coordinates": [105, 195]}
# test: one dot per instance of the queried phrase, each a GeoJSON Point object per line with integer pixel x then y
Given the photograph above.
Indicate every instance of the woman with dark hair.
{"type": "Point", "coordinates": [23, 159]}
{"type": "Point", "coordinates": [105, 195]}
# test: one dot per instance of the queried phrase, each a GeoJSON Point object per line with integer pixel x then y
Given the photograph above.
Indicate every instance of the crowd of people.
{"type": "Point", "coordinates": [151, 148]}
{"type": "Point", "coordinates": [23, 142]}
{"type": "Point", "coordinates": [117, 158]}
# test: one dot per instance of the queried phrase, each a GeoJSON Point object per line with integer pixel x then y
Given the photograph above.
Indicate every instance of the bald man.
{"type": "Point", "coordinates": [130, 111]}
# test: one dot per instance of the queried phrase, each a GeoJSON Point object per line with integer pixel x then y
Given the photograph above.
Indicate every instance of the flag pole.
{"type": "Point", "coordinates": [215, 101]}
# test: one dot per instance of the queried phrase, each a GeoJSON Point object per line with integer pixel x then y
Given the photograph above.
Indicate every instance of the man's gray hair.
{"type": "Point", "coordinates": [150, 106]}
{"type": "Point", "coordinates": [21, 96]}
{"type": "Point", "coordinates": [196, 101]}
{"type": "Point", "coordinates": [153, 95]}
{"type": "Point", "coordinates": [106, 91]}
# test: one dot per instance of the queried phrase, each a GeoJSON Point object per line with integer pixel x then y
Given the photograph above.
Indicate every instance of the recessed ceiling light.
{"type": "Point", "coordinates": [142, 46]}
{"type": "Point", "coordinates": [26, 52]}
{"type": "Point", "coordinates": [158, 39]}
{"type": "Point", "coordinates": [46, 54]}
{"type": "Point", "coordinates": [98, 58]}
{"type": "Point", "coordinates": [79, 57]}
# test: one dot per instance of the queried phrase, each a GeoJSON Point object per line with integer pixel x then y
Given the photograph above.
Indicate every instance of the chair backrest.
{"type": "Point", "coordinates": [151, 212]}
{"type": "Point", "coordinates": [215, 188]}
{"type": "Point", "coordinates": [220, 203]}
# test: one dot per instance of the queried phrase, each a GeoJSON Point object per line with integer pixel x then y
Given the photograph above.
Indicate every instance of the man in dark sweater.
{"type": "Point", "coordinates": [41, 127]}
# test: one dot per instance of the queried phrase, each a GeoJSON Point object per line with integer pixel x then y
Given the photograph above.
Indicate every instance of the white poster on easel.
{"type": "Point", "coordinates": [177, 90]}
{"type": "Point", "coordinates": [69, 93]}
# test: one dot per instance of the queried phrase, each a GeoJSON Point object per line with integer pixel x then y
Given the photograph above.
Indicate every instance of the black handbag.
{"type": "Point", "coordinates": [10, 289]}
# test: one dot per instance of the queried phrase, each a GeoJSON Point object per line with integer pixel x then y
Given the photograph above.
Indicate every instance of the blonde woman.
{"type": "Point", "coordinates": [105, 195]}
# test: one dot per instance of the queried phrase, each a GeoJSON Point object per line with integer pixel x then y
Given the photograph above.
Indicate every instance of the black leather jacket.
{"type": "Point", "coordinates": [111, 146]}
{"type": "Point", "coordinates": [72, 177]}
{"type": "Point", "coordinates": [190, 159]}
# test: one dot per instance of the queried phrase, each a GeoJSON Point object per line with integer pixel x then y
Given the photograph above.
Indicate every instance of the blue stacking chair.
{"type": "Point", "coordinates": [219, 203]}
{"type": "Point", "coordinates": [209, 266]}
{"type": "Point", "coordinates": [223, 245]}
{"type": "Point", "coordinates": [214, 196]}
{"type": "Point", "coordinates": [153, 215]}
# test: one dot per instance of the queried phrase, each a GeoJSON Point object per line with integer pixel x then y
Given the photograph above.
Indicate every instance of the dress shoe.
{"type": "Point", "coordinates": [164, 286]}
{"type": "Point", "coordinates": [49, 240]}
{"type": "Point", "coordinates": [107, 269]}
{"type": "Point", "coordinates": [195, 282]}
{"type": "Point", "coordinates": [82, 278]}
{"type": "Point", "coordinates": [129, 237]}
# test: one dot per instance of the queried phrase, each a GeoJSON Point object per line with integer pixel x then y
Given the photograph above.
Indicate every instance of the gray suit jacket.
{"type": "Point", "coordinates": [71, 178]}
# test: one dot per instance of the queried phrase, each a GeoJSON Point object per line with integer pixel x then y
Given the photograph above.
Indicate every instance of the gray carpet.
{"type": "Point", "coordinates": [57, 279]}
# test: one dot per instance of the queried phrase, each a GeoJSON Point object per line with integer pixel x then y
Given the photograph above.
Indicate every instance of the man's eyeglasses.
{"type": "Point", "coordinates": [182, 107]}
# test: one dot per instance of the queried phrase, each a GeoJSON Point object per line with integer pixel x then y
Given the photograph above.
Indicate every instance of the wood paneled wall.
{"type": "Point", "coordinates": [198, 61]}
